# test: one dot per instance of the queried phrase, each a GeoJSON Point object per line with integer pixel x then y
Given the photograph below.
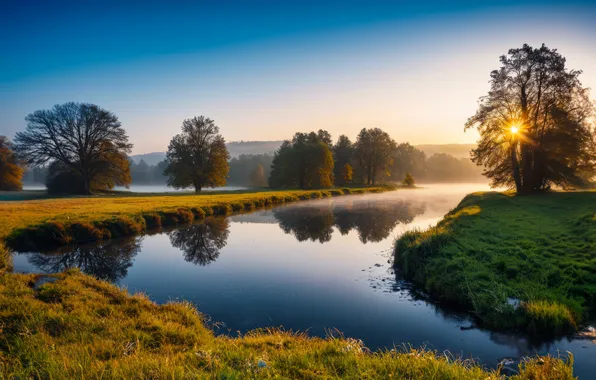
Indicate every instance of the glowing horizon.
{"type": "Point", "coordinates": [416, 73]}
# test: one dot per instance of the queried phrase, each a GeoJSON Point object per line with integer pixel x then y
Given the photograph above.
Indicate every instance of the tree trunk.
{"type": "Point", "coordinates": [198, 186]}
{"type": "Point", "coordinates": [515, 166]}
{"type": "Point", "coordinates": [374, 176]}
{"type": "Point", "coordinates": [87, 185]}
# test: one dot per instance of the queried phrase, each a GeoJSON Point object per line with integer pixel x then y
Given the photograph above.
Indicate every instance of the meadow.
{"type": "Point", "coordinates": [79, 327]}
{"type": "Point", "coordinates": [516, 262]}
{"type": "Point", "coordinates": [47, 223]}
{"type": "Point", "coordinates": [76, 326]}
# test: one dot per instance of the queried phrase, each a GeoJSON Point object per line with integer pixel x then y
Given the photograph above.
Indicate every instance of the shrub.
{"type": "Point", "coordinates": [237, 207]}
{"type": "Point", "coordinates": [207, 210]}
{"type": "Point", "coordinates": [408, 180]}
{"type": "Point", "coordinates": [152, 220]}
{"type": "Point", "coordinates": [222, 209]}
{"type": "Point", "coordinates": [180, 216]}
{"type": "Point", "coordinates": [198, 213]}
{"type": "Point", "coordinates": [85, 232]}
{"type": "Point", "coordinates": [124, 226]}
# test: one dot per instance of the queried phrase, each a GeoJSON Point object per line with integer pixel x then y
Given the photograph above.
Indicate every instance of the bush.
{"type": "Point", "coordinates": [47, 235]}
{"type": "Point", "coordinates": [124, 226]}
{"type": "Point", "coordinates": [408, 181]}
{"type": "Point", "coordinates": [85, 232]}
{"type": "Point", "coordinates": [237, 207]}
{"type": "Point", "coordinates": [180, 216]}
{"type": "Point", "coordinates": [222, 209]}
{"type": "Point", "coordinates": [198, 212]}
{"type": "Point", "coordinates": [152, 220]}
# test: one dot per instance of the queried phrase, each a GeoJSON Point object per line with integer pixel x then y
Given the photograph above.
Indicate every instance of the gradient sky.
{"type": "Point", "coordinates": [264, 70]}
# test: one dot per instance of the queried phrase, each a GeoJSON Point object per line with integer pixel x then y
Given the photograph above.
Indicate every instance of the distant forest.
{"type": "Point", "coordinates": [427, 163]}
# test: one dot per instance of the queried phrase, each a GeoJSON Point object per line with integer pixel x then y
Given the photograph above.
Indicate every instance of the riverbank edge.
{"type": "Point", "coordinates": [76, 326]}
{"type": "Point", "coordinates": [415, 249]}
{"type": "Point", "coordinates": [53, 234]}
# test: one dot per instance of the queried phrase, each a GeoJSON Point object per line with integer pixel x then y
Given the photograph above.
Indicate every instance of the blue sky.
{"type": "Point", "coordinates": [264, 70]}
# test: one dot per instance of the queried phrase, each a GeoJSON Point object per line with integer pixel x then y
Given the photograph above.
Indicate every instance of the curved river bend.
{"type": "Point", "coordinates": [312, 266]}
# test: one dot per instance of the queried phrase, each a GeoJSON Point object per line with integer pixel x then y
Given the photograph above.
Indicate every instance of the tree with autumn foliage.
{"type": "Point", "coordinates": [373, 153]}
{"type": "Point", "coordinates": [11, 171]}
{"type": "Point", "coordinates": [86, 142]}
{"type": "Point", "coordinates": [536, 124]}
{"type": "Point", "coordinates": [197, 157]}
{"type": "Point", "coordinates": [305, 162]}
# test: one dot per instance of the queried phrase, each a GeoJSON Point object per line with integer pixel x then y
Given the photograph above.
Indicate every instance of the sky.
{"type": "Point", "coordinates": [264, 70]}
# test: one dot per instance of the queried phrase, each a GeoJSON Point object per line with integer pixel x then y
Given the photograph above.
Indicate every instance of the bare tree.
{"type": "Point", "coordinates": [85, 139]}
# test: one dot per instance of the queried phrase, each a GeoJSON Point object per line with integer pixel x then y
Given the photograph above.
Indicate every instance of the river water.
{"type": "Point", "coordinates": [320, 266]}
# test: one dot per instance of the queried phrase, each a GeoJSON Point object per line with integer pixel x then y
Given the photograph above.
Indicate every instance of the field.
{"type": "Point", "coordinates": [79, 327]}
{"type": "Point", "coordinates": [45, 223]}
{"type": "Point", "coordinates": [516, 262]}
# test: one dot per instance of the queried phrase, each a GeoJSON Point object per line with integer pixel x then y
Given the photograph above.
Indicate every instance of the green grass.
{"type": "Point", "coordinates": [539, 250]}
{"type": "Point", "coordinates": [46, 223]}
{"type": "Point", "coordinates": [80, 327]}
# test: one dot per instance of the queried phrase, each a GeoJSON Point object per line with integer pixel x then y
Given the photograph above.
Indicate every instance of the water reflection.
{"type": "Point", "coordinates": [108, 261]}
{"type": "Point", "coordinates": [374, 220]}
{"type": "Point", "coordinates": [263, 277]}
{"type": "Point", "coordinates": [201, 243]}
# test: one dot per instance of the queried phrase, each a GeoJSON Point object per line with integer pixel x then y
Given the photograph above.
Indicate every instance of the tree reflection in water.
{"type": "Point", "coordinates": [201, 242]}
{"type": "Point", "coordinates": [306, 222]}
{"type": "Point", "coordinates": [374, 220]}
{"type": "Point", "coordinates": [108, 261]}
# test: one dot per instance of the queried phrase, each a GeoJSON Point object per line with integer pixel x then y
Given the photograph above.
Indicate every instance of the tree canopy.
{"type": "Point", "coordinates": [197, 157]}
{"type": "Point", "coordinates": [11, 172]}
{"type": "Point", "coordinates": [83, 140]}
{"type": "Point", "coordinates": [535, 124]}
{"type": "Point", "coordinates": [305, 162]}
{"type": "Point", "coordinates": [373, 151]}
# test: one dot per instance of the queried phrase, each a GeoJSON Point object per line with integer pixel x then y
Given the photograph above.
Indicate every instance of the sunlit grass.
{"type": "Point", "coordinates": [495, 248]}
{"type": "Point", "coordinates": [61, 221]}
{"type": "Point", "coordinates": [79, 327]}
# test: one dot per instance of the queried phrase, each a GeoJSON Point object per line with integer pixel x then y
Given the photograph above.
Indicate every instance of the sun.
{"type": "Point", "coordinates": [514, 129]}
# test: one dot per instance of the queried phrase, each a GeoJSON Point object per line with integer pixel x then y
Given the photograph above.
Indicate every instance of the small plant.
{"type": "Point", "coordinates": [408, 181]}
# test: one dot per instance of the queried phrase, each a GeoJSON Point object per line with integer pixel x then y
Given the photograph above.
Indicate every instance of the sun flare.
{"type": "Point", "coordinates": [514, 129]}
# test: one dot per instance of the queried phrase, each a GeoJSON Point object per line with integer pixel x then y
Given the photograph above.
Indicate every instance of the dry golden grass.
{"type": "Point", "coordinates": [80, 327]}
{"type": "Point", "coordinates": [16, 215]}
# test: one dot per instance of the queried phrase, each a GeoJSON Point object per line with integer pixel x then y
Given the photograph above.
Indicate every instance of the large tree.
{"type": "Point", "coordinates": [305, 162]}
{"type": "Point", "coordinates": [197, 157]}
{"type": "Point", "coordinates": [257, 176]}
{"type": "Point", "coordinates": [407, 159]}
{"type": "Point", "coordinates": [373, 151]}
{"type": "Point", "coordinates": [11, 171]}
{"type": "Point", "coordinates": [535, 123]}
{"type": "Point", "coordinates": [343, 151]}
{"type": "Point", "coordinates": [82, 139]}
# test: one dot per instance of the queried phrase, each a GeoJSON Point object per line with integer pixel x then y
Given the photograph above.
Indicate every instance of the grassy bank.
{"type": "Point", "coordinates": [526, 262]}
{"type": "Point", "coordinates": [43, 224]}
{"type": "Point", "coordinates": [79, 327]}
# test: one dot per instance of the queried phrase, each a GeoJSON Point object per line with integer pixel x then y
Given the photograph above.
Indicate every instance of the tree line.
{"type": "Point", "coordinates": [536, 131]}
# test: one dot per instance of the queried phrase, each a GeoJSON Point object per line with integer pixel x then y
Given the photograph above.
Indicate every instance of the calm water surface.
{"type": "Point", "coordinates": [316, 266]}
